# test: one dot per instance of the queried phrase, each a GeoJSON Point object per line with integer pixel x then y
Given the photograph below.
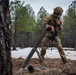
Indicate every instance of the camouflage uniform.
{"type": "Point", "coordinates": [52, 21]}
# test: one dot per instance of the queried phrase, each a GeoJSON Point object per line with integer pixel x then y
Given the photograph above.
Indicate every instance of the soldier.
{"type": "Point", "coordinates": [53, 24]}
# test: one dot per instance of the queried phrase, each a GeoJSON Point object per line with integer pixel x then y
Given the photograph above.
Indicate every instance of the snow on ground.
{"type": "Point", "coordinates": [49, 54]}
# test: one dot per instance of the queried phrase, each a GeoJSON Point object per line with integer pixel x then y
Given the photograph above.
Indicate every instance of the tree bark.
{"type": "Point", "coordinates": [5, 39]}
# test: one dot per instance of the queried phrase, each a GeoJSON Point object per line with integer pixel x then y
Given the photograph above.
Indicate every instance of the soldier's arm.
{"type": "Point", "coordinates": [46, 21]}
{"type": "Point", "coordinates": [61, 26]}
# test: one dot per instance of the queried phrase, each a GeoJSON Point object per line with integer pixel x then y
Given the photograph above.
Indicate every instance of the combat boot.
{"type": "Point", "coordinates": [62, 54]}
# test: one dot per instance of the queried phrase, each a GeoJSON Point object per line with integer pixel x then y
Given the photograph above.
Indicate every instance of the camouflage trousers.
{"type": "Point", "coordinates": [57, 43]}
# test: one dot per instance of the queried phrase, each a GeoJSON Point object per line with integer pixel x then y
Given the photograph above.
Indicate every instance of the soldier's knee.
{"type": "Point", "coordinates": [58, 42]}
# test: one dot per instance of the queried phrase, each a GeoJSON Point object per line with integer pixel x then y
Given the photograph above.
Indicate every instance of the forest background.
{"type": "Point", "coordinates": [27, 27]}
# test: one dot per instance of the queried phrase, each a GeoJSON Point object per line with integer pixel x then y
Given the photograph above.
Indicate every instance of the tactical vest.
{"type": "Point", "coordinates": [53, 22]}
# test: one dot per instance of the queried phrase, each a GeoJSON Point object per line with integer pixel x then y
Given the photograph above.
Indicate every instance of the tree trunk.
{"type": "Point", "coordinates": [5, 39]}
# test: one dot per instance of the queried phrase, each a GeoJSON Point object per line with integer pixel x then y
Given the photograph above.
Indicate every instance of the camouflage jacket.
{"type": "Point", "coordinates": [52, 20]}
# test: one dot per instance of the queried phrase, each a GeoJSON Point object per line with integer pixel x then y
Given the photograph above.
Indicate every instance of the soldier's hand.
{"type": "Point", "coordinates": [47, 26]}
{"type": "Point", "coordinates": [50, 28]}
{"type": "Point", "coordinates": [58, 21]}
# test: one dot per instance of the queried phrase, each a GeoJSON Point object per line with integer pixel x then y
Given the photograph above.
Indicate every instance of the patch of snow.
{"type": "Point", "coordinates": [49, 53]}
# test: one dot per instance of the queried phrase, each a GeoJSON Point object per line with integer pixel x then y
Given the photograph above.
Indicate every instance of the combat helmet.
{"type": "Point", "coordinates": [58, 11]}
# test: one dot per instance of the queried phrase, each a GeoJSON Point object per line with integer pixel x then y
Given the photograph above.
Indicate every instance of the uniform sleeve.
{"type": "Point", "coordinates": [46, 20]}
{"type": "Point", "coordinates": [61, 26]}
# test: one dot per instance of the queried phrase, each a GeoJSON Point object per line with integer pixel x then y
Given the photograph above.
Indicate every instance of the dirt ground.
{"type": "Point", "coordinates": [56, 67]}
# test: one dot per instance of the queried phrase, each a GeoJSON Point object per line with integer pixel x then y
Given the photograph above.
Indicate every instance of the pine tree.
{"type": "Point", "coordinates": [5, 39]}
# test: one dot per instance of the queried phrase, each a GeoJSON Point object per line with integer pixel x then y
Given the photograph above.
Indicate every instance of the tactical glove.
{"type": "Point", "coordinates": [50, 28]}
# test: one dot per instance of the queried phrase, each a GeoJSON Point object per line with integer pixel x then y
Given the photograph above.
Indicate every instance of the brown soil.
{"type": "Point", "coordinates": [56, 67]}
